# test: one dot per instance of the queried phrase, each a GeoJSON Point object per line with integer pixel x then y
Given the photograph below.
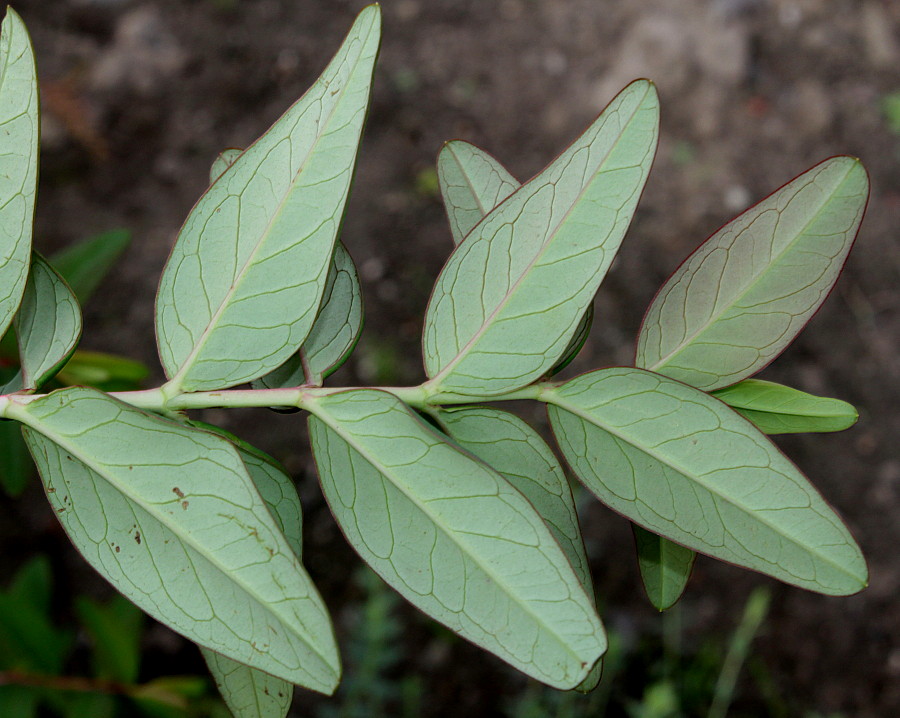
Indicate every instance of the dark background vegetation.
{"type": "Point", "coordinates": [139, 96]}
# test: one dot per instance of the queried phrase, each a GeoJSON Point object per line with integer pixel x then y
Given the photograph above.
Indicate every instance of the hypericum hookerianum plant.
{"type": "Point", "coordinates": [461, 507]}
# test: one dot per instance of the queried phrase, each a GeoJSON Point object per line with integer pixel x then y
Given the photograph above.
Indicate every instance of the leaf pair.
{"type": "Point", "coordinates": [736, 303]}
{"type": "Point", "coordinates": [454, 537]}
{"type": "Point", "coordinates": [510, 299]}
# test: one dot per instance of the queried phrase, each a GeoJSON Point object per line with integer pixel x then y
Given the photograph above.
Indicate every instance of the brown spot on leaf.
{"type": "Point", "coordinates": [178, 492]}
{"type": "Point", "coordinates": [137, 537]}
{"type": "Point", "coordinates": [184, 505]}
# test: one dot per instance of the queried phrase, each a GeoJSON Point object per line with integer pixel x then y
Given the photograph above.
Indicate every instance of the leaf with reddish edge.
{"type": "Point", "coordinates": [746, 292]}
{"type": "Point", "coordinates": [510, 298]}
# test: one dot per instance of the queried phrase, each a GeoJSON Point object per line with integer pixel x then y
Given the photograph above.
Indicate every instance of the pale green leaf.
{"type": "Point", "coordinates": [19, 132]}
{"type": "Point", "coordinates": [170, 517]}
{"type": "Point", "coordinates": [747, 291]}
{"type": "Point", "coordinates": [48, 324]}
{"type": "Point", "coordinates": [517, 452]}
{"type": "Point", "coordinates": [247, 692]}
{"type": "Point", "coordinates": [682, 464]}
{"type": "Point", "coordinates": [245, 279]}
{"type": "Point", "coordinates": [472, 184]}
{"type": "Point", "coordinates": [334, 333]}
{"type": "Point", "coordinates": [85, 264]}
{"type": "Point", "coordinates": [274, 484]}
{"type": "Point", "coordinates": [452, 536]}
{"type": "Point", "coordinates": [510, 298]}
{"type": "Point", "coordinates": [223, 161]}
{"type": "Point", "coordinates": [665, 567]}
{"type": "Point", "coordinates": [779, 409]}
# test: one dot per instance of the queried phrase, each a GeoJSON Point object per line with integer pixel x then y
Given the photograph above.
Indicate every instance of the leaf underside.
{"type": "Point", "coordinates": [511, 447]}
{"type": "Point", "coordinates": [48, 324]}
{"type": "Point", "coordinates": [510, 298]}
{"type": "Point", "coordinates": [452, 536]}
{"type": "Point", "coordinates": [169, 515]}
{"type": "Point", "coordinates": [683, 465]}
{"type": "Point", "coordinates": [247, 692]}
{"type": "Point", "coordinates": [334, 333]}
{"type": "Point", "coordinates": [243, 285]}
{"type": "Point", "coordinates": [747, 291]}
{"type": "Point", "coordinates": [473, 183]}
{"type": "Point", "coordinates": [18, 161]}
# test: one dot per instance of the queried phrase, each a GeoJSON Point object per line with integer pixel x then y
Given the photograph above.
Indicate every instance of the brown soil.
{"type": "Point", "coordinates": [140, 96]}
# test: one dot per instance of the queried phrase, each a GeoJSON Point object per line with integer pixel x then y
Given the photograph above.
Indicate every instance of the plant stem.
{"type": "Point", "coordinates": [64, 683]}
{"type": "Point", "coordinates": [162, 400]}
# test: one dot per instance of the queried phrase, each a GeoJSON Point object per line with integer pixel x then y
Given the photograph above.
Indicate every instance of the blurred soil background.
{"type": "Point", "coordinates": [139, 96]}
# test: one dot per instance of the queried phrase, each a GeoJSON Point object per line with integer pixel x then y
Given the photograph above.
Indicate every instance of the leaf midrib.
{"type": "Point", "coordinates": [375, 463]}
{"type": "Point", "coordinates": [555, 399]}
{"type": "Point", "coordinates": [686, 342]}
{"type": "Point", "coordinates": [463, 351]}
{"type": "Point", "coordinates": [119, 486]}
{"type": "Point", "coordinates": [211, 326]}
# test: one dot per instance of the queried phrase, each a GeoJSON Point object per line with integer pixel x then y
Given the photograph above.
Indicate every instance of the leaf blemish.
{"type": "Point", "coordinates": [178, 492]}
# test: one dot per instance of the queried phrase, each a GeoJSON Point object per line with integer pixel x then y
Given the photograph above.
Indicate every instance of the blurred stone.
{"type": "Point", "coordinates": [722, 48]}
{"type": "Point", "coordinates": [882, 47]}
{"type": "Point", "coordinates": [736, 198]}
{"type": "Point", "coordinates": [655, 47]}
{"type": "Point", "coordinates": [144, 53]}
{"type": "Point", "coordinates": [810, 107]}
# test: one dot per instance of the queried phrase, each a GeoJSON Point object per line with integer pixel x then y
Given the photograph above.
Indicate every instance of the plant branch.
{"type": "Point", "coordinates": [160, 400]}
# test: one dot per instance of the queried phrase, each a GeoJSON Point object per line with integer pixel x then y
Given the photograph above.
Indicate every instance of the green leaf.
{"type": "Point", "coordinates": [682, 464]}
{"type": "Point", "coordinates": [33, 583]}
{"type": "Point", "coordinates": [510, 298]}
{"type": "Point", "coordinates": [334, 333]}
{"type": "Point", "coordinates": [223, 161]}
{"type": "Point", "coordinates": [18, 161]}
{"type": "Point", "coordinates": [48, 324]}
{"type": "Point", "coordinates": [249, 693]}
{"type": "Point", "coordinates": [243, 285]}
{"type": "Point", "coordinates": [452, 536]}
{"type": "Point", "coordinates": [665, 567]}
{"type": "Point", "coordinates": [472, 184]}
{"type": "Point", "coordinates": [16, 467]}
{"type": "Point", "coordinates": [170, 517]}
{"type": "Point", "coordinates": [85, 264]}
{"type": "Point", "coordinates": [747, 291]}
{"type": "Point", "coordinates": [81, 705]}
{"type": "Point", "coordinates": [28, 640]}
{"type": "Point", "coordinates": [778, 409]}
{"type": "Point", "coordinates": [108, 372]}
{"type": "Point", "coordinates": [517, 452]}
{"type": "Point", "coordinates": [19, 701]}
{"type": "Point", "coordinates": [115, 628]}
